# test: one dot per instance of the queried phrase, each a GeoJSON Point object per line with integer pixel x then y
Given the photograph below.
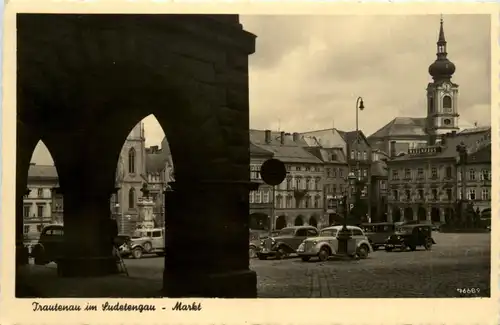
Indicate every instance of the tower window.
{"type": "Point", "coordinates": [131, 161]}
{"type": "Point", "coordinates": [447, 103]}
{"type": "Point", "coordinates": [447, 121]}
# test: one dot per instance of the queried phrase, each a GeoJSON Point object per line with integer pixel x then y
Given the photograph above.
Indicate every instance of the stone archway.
{"type": "Point", "coordinates": [299, 220]}
{"type": "Point", "coordinates": [313, 221]}
{"type": "Point", "coordinates": [61, 93]}
{"type": "Point", "coordinates": [396, 214]}
{"type": "Point", "coordinates": [280, 222]}
{"type": "Point", "coordinates": [408, 214]}
{"type": "Point", "coordinates": [259, 221]}
{"type": "Point", "coordinates": [421, 214]}
{"type": "Point", "coordinates": [435, 215]}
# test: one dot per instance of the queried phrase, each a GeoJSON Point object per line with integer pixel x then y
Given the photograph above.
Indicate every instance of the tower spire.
{"type": "Point", "coordinates": [441, 32]}
{"type": "Point", "coordinates": [442, 68]}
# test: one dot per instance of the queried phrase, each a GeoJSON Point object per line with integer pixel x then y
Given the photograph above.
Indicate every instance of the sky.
{"type": "Point", "coordinates": [307, 71]}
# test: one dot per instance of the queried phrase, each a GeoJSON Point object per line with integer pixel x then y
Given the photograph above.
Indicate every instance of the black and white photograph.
{"type": "Point", "coordinates": [190, 156]}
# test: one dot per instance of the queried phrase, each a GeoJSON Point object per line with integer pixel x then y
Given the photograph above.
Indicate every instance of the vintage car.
{"type": "Point", "coordinates": [377, 233]}
{"type": "Point", "coordinates": [255, 239]}
{"type": "Point", "coordinates": [410, 236]}
{"type": "Point", "coordinates": [326, 244]}
{"type": "Point", "coordinates": [146, 241]}
{"type": "Point", "coordinates": [50, 245]}
{"type": "Point", "coordinates": [286, 243]}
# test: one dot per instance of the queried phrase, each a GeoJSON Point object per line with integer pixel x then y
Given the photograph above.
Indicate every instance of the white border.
{"type": "Point", "coordinates": [267, 311]}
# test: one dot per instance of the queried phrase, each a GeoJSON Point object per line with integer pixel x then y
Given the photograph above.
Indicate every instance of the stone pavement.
{"type": "Point", "coordinates": [457, 261]}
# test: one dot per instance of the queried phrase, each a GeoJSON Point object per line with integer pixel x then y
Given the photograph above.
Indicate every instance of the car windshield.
{"type": "Point", "coordinates": [328, 232]}
{"type": "Point", "coordinates": [404, 230]}
{"type": "Point", "coordinates": [286, 232]}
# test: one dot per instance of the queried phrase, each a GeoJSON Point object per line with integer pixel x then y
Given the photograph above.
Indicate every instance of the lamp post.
{"type": "Point", "coordinates": [359, 107]}
{"type": "Point", "coordinates": [344, 233]}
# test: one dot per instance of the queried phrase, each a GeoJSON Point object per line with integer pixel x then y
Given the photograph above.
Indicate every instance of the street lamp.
{"type": "Point", "coordinates": [344, 234]}
{"type": "Point", "coordinates": [359, 107]}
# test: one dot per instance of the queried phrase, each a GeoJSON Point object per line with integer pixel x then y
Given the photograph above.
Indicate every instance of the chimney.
{"type": "Point", "coordinates": [268, 136]}
{"type": "Point", "coordinates": [282, 137]}
{"type": "Point", "coordinates": [296, 136]}
{"type": "Point", "coordinates": [392, 149]}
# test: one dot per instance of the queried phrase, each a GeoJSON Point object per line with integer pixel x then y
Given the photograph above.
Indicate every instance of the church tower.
{"type": "Point", "coordinates": [442, 93]}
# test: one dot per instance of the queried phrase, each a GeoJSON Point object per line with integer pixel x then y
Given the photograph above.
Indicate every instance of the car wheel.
{"type": "Point", "coordinates": [306, 258]}
{"type": "Point", "coordinates": [281, 253]}
{"type": "Point", "coordinates": [137, 253]}
{"type": "Point", "coordinates": [428, 244]}
{"type": "Point", "coordinates": [413, 247]}
{"type": "Point", "coordinates": [262, 257]}
{"type": "Point", "coordinates": [375, 247]}
{"type": "Point", "coordinates": [323, 254]}
{"type": "Point", "coordinates": [252, 253]}
{"type": "Point", "coordinates": [148, 247]}
{"type": "Point", "coordinates": [363, 251]}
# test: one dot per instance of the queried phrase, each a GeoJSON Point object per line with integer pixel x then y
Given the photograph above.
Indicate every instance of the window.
{"type": "Point", "coordinates": [279, 201]}
{"type": "Point", "coordinates": [39, 228]}
{"type": "Point", "coordinates": [39, 211]}
{"type": "Point", "coordinates": [459, 176]}
{"type": "Point", "coordinates": [131, 198]}
{"type": "Point", "coordinates": [421, 194]}
{"type": "Point", "coordinates": [297, 204]}
{"type": "Point", "coordinates": [472, 174]}
{"type": "Point", "coordinates": [298, 168]}
{"type": "Point", "coordinates": [288, 201]}
{"type": "Point", "coordinates": [334, 157]}
{"type": "Point", "coordinates": [288, 167]}
{"type": "Point", "coordinates": [250, 199]}
{"type": "Point", "coordinates": [334, 172]}
{"type": "Point", "coordinates": [26, 211]}
{"type": "Point", "coordinates": [258, 197]}
{"type": "Point", "coordinates": [306, 201]}
{"type": "Point", "coordinates": [449, 194]}
{"type": "Point", "coordinates": [352, 154]}
{"type": "Point", "coordinates": [434, 173]}
{"type": "Point", "coordinates": [485, 175]}
{"type": "Point", "coordinates": [447, 103]}
{"type": "Point", "coordinates": [448, 172]}
{"type": "Point", "coordinates": [341, 173]}
{"type": "Point", "coordinates": [266, 197]}
{"type": "Point", "coordinates": [395, 174]}
{"type": "Point", "coordinates": [289, 183]}
{"type": "Point", "coordinates": [40, 192]}
{"type": "Point", "coordinates": [358, 154]}
{"type": "Point", "coordinates": [341, 188]}
{"type": "Point", "coordinates": [131, 161]}
{"type": "Point", "coordinates": [365, 156]}
{"type": "Point", "coordinates": [357, 232]}
{"type": "Point", "coordinates": [316, 202]}
{"type": "Point", "coordinates": [485, 195]}
{"type": "Point", "coordinates": [459, 195]}
{"type": "Point", "coordinates": [317, 183]}
{"type": "Point", "coordinates": [446, 121]}
{"type": "Point", "coordinates": [157, 233]}
{"type": "Point", "coordinates": [365, 172]}
{"type": "Point", "coordinates": [311, 233]}
{"type": "Point", "coordinates": [301, 232]}
{"type": "Point", "coordinates": [408, 195]}
{"type": "Point", "coordinates": [407, 173]}
{"type": "Point", "coordinates": [434, 194]}
{"type": "Point", "coordinates": [308, 183]}
{"type": "Point", "coordinates": [297, 182]}
{"type": "Point", "coordinates": [420, 173]}
{"type": "Point", "coordinates": [471, 194]}
{"type": "Point", "coordinates": [395, 194]}
{"type": "Point", "coordinates": [328, 172]}
{"type": "Point", "coordinates": [26, 229]}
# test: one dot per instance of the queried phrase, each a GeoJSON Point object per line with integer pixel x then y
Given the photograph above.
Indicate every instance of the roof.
{"type": "Point", "coordinates": [156, 162]}
{"type": "Point", "coordinates": [482, 155]}
{"type": "Point", "coordinates": [42, 172]}
{"type": "Point", "coordinates": [326, 154]}
{"type": "Point", "coordinates": [475, 130]}
{"type": "Point", "coordinates": [379, 168]}
{"type": "Point", "coordinates": [472, 140]}
{"type": "Point", "coordinates": [402, 126]}
{"type": "Point", "coordinates": [256, 150]}
{"type": "Point", "coordinates": [291, 151]}
{"type": "Point", "coordinates": [350, 136]}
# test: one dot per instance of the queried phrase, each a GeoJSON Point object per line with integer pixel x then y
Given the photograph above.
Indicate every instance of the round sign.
{"type": "Point", "coordinates": [273, 172]}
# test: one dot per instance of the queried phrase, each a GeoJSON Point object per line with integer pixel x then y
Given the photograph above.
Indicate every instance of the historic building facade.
{"type": "Point", "coordinates": [299, 198]}
{"type": "Point", "coordinates": [423, 183]}
{"type": "Point", "coordinates": [38, 203]}
{"type": "Point", "coordinates": [408, 133]}
{"type": "Point", "coordinates": [261, 200]}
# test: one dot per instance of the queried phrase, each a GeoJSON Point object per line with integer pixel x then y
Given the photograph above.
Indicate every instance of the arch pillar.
{"type": "Point", "coordinates": [216, 219]}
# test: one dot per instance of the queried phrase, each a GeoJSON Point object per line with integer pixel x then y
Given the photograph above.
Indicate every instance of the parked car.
{"type": "Point", "coordinates": [286, 243]}
{"type": "Point", "coordinates": [255, 240]}
{"type": "Point", "coordinates": [326, 244]}
{"type": "Point", "coordinates": [377, 233]}
{"type": "Point", "coordinates": [411, 236]}
{"type": "Point", "coordinates": [50, 245]}
{"type": "Point", "coordinates": [146, 241]}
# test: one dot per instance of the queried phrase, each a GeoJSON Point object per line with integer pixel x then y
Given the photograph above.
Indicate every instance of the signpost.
{"type": "Point", "coordinates": [273, 172]}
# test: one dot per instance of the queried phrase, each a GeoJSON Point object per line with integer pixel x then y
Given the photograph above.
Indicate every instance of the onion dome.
{"type": "Point", "coordinates": [442, 68]}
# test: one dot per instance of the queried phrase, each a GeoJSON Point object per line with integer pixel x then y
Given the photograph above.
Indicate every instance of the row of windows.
{"type": "Point", "coordinates": [472, 174]}
{"type": "Point", "coordinates": [358, 155]}
{"type": "Point", "coordinates": [286, 201]}
{"type": "Point", "coordinates": [27, 228]}
{"type": "Point", "coordinates": [40, 209]}
{"type": "Point", "coordinates": [334, 172]}
{"type": "Point", "coordinates": [471, 194]}
{"type": "Point", "coordinates": [40, 193]}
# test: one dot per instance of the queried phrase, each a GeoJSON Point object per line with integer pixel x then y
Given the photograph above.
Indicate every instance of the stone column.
{"type": "Point", "coordinates": [87, 236]}
{"type": "Point", "coordinates": [212, 217]}
{"type": "Point", "coordinates": [442, 215]}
